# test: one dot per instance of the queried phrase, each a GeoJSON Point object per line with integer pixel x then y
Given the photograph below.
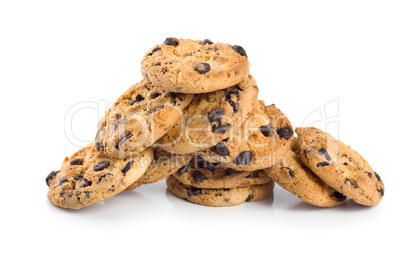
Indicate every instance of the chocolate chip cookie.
{"type": "Point", "coordinates": [88, 177]}
{"type": "Point", "coordinates": [291, 174]}
{"type": "Point", "coordinates": [210, 118]}
{"type": "Point", "coordinates": [219, 197]}
{"type": "Point", "coordinates": [203, 174]}
{"type": "Point", "coordinates": [187, 66]}
{"type": "Point", "coordinates": [265, 136]}
{"type": "Point", "coordinates": [339, 166]}
{"type": "Point", "coordinates": [138, 118]}
{"type": "Point", "coordinates": [163, 165]}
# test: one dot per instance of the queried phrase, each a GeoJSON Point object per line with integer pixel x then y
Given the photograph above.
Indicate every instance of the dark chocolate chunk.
{"type": "Point", "coordinates": [233, 104]}
{"type": "Point", "coordinates": [239, 50]}
{"type": "Point", "coordinates": [322, 164]}
{"type": "Point", "coordinates": [76, 162]}
{"type": "Point", "coordinates": [203, 164]}
{"type": "Point", "coordinates": [339, 197]}
{"type": "Point", "coordinates": [171, 41]}
{"type": "Point", "coordinates": [351, 183]}
{"type": "Point", "coordinates": [118, 116]}
{"type": "Point", "coordinates": [323, 151]}
{"type": "Point", "coordinates": [63, 181]}
{"type": "Point", "coordinates": [230, 172]}
{"type": "Point", "coordinates": [250, 197]}
{"type": "Point", "coordinates": [369, 174]}
{"type": "Point", "coordinates": [101, 165]}
{"type": "Point", "coordinates": [220, 149]}
{"type": "Point", "coordinates": [381, 190]}
{"type": "Point", "coordinates": [153, 51]}
{"type": "Point", "coordinates": [77, 177]}
{"type": "Point", "coordinates": [207, 41]}
{"type": "Point", "coordinates": [285, 132]}
{"type": "Point", "coordinates": [103, 176]}
{"type": "Point", "coordinates": [138, 98]}
{"type": "Point", "coordinates": [202, 68]}
{"type": "Point", "coordinates": [377, 176]}
{"type": "Point", "coordinates": [124, 139]}
{"type": "Point", "coordinates": [291, 172]}
{"type": "Point", "coordinates": [198, 176]}
{"type": "Point", "coordinates": [183, 169]}
{"type": "Point", "coordinates": [220, 128]}
{"type": "Point", "coordinates": [244, 158]}
{"type": "Point", "coordinates": [127, 167]}
{"type": "Point", "coordinates": [266, 130]}
{"type": "Point", "coordinates": [50, 177]}
{"type": "Point", "coordinates": [171, 94]}
{"type": "Point", "coordinates": [216, 114]}
{"type": "Point", "coordinates": [194, 191]}
{"type": "Point", "coordinates": [154, 95]}
{"type": "Point", "coordinates": [83, 182]}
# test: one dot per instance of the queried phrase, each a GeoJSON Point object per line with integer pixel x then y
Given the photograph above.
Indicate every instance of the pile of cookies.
{"type": "Point", "coordinates": [195, 119]}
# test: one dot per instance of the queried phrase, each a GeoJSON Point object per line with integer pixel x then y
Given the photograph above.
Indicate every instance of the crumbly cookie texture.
{"type": "Point", "coordinates": [187, 66]}
{"type": "Point", "coordinates": [219, 197]}
{"type": "Point", "coordinates": [163, 165]}
{"type": "Point", "coordinates": [88, 177]}
{"type": "Point", "coordinates": [138, 118]}
{"type": "Point", "coordinates": [203, 174]}
{"type": "Point", "coordinates": [291, 174]}
{"type": "Point", "coordinates": [211, 118]}
{"type": "Point", "coordinates": [265, 136]}
{"type": "Point", "coordinates": [339, 166]}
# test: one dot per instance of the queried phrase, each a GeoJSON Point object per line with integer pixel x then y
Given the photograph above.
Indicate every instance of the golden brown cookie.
{"type": "Point", "coordinates": [339, 166]}
{"type": "Point", "coordinates": [187, 66]}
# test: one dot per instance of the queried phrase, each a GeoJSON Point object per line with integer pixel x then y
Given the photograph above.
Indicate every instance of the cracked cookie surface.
{"type": "Point", "coordinates": [88, 177]}
{"type": "Point", "coordinates": [187, 66]}
{"type": "Point", "coordinates": [138, 118]}
{"type": "Point", "coordinates": [339, 166]}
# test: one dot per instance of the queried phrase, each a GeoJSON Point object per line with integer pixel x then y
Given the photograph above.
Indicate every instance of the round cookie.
{"type": "Point", "coordinates": [163, 165]}
{"type": "Point", "coordinates": [138, 118]}
{"type": "Point", "coordinates": [292, 175]}
{"type": "Point", "coordinates": [203, 174]}
{"type": "Point", "coordinates": [88, 177]}
{"type": "Point", "coordinates": [265, 136]}
{"type": "Point", "coordinates": [211, 118]}
{"type": "Point", "coordinates": [339, 166]}
{"type": "Point", "coordinates": [224, 197]}
{"type": "Point", "coordinates": [187, 66]}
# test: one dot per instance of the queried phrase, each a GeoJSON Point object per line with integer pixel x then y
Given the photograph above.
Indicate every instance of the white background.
{"type": "Point", "coordinates": [303, 54]}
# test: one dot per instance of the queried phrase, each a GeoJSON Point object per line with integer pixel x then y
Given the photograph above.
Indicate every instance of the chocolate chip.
{"type": "Point", "coordinates": [239, 50]}
{"type": "Point", "coordinates": [203, 164]}
{"type": "Point", "coordinates": [101, 165]}
{"type": "Point", "coordinates": [124, 139]}
{"type": "Point", "coordinates": [194, 191]}
{"type": "Point", "coordinates": [77, 177]}
{"type": "Point", "coordinates": [183, 169]}
{"type": "Point", "coordinates": [216, 114]}
{"type": "Point", "coordinates": [233, 104]}
{"type": "Point", "coordinates": [220, 128]}
{"type": "Point", "coordinates": [250, 197]}
{"type": "Point", "coordinates": [127, 167]}
{"type": "Point", "coordinates": [244, 158]}
{"type": "Point", "coordinates": [345, 163]}
{"type": "Point", "coordinates": [68, 195]}
{"type": "Point", "coordinates": [103, 176]}
{"type": "Point", "coordinates": [291, 172]}
{"type": "Point", "coordinates": [198, 176]}
{"type": "Point", "coordinates": [351, 183]}
{"type": "Point", "coordinates": [171, 94]}
{"type": "Point", "coordinates": [220, 149]}
{"type": "Point", "coordinates": [99, 146]}
{"type": "Point", "coordinates": [230, 172]}
{"type": "Point", "coordinates": [63, 181]}
{"type": "Point", "coordinates": [138, 98]}
{"type": "Point", "coordinates": [377, 176]}
{"type": "Point", "coordinates": [339, 197]}
{"type": "Point", "coordinates": [322, 164]}
{"type": "Point", "coordinates": [50, 177]}
{"type": "Point", "coordinates": [285, 132]}
{"type": "Point", "coordinates": [83, 182]}
{"type": "Point", "coordinates": [202, 68]}
{"type": "Point", "coordinates": [266, 130]}
{"type": "Point", "coordinates": [323, 151]}
{"type": "Point", "coordinates": [369, 174]}
{"type": "Point", "coordinates": [171, 41]}
{"type": "Point", "coordinates": [207, 41]}
{"type": "Point", "coordinates": [154, 95]}
{"type": "Point", "coordinates": [381, 190]}
{"type": "Point", "coordinates": [153, 51]}
{"type": "Point", "coordinates": [118, 116]}
{"type": "Point", "coordinates": [76, 162]}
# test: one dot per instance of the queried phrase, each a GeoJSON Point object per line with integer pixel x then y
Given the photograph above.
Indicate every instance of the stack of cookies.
{"type": "Point", "coordinates": [196, 120]}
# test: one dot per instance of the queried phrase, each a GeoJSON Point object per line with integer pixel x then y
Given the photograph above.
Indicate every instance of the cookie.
{"type": "Point", "coordinates": [88, 177]}
{"type": "Point", "coordinates": [219, 197]}
{"type": "Point", "coordinates": [265, 136]}
{"type": "Point", "coordinates": [187, 66]}
{"type": "Point", "coordinates": [163, 165]}
{"type": "Point", "coordinates": [211, 118]}
{"type": "Point", "coordinates": [203, 174]}
{"type": "Point", "coordinates": [339, 166]}
{"type": "Point", "coordinates": [138, 118]}
{"type": "Point", "coordinates": [291, 174]}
